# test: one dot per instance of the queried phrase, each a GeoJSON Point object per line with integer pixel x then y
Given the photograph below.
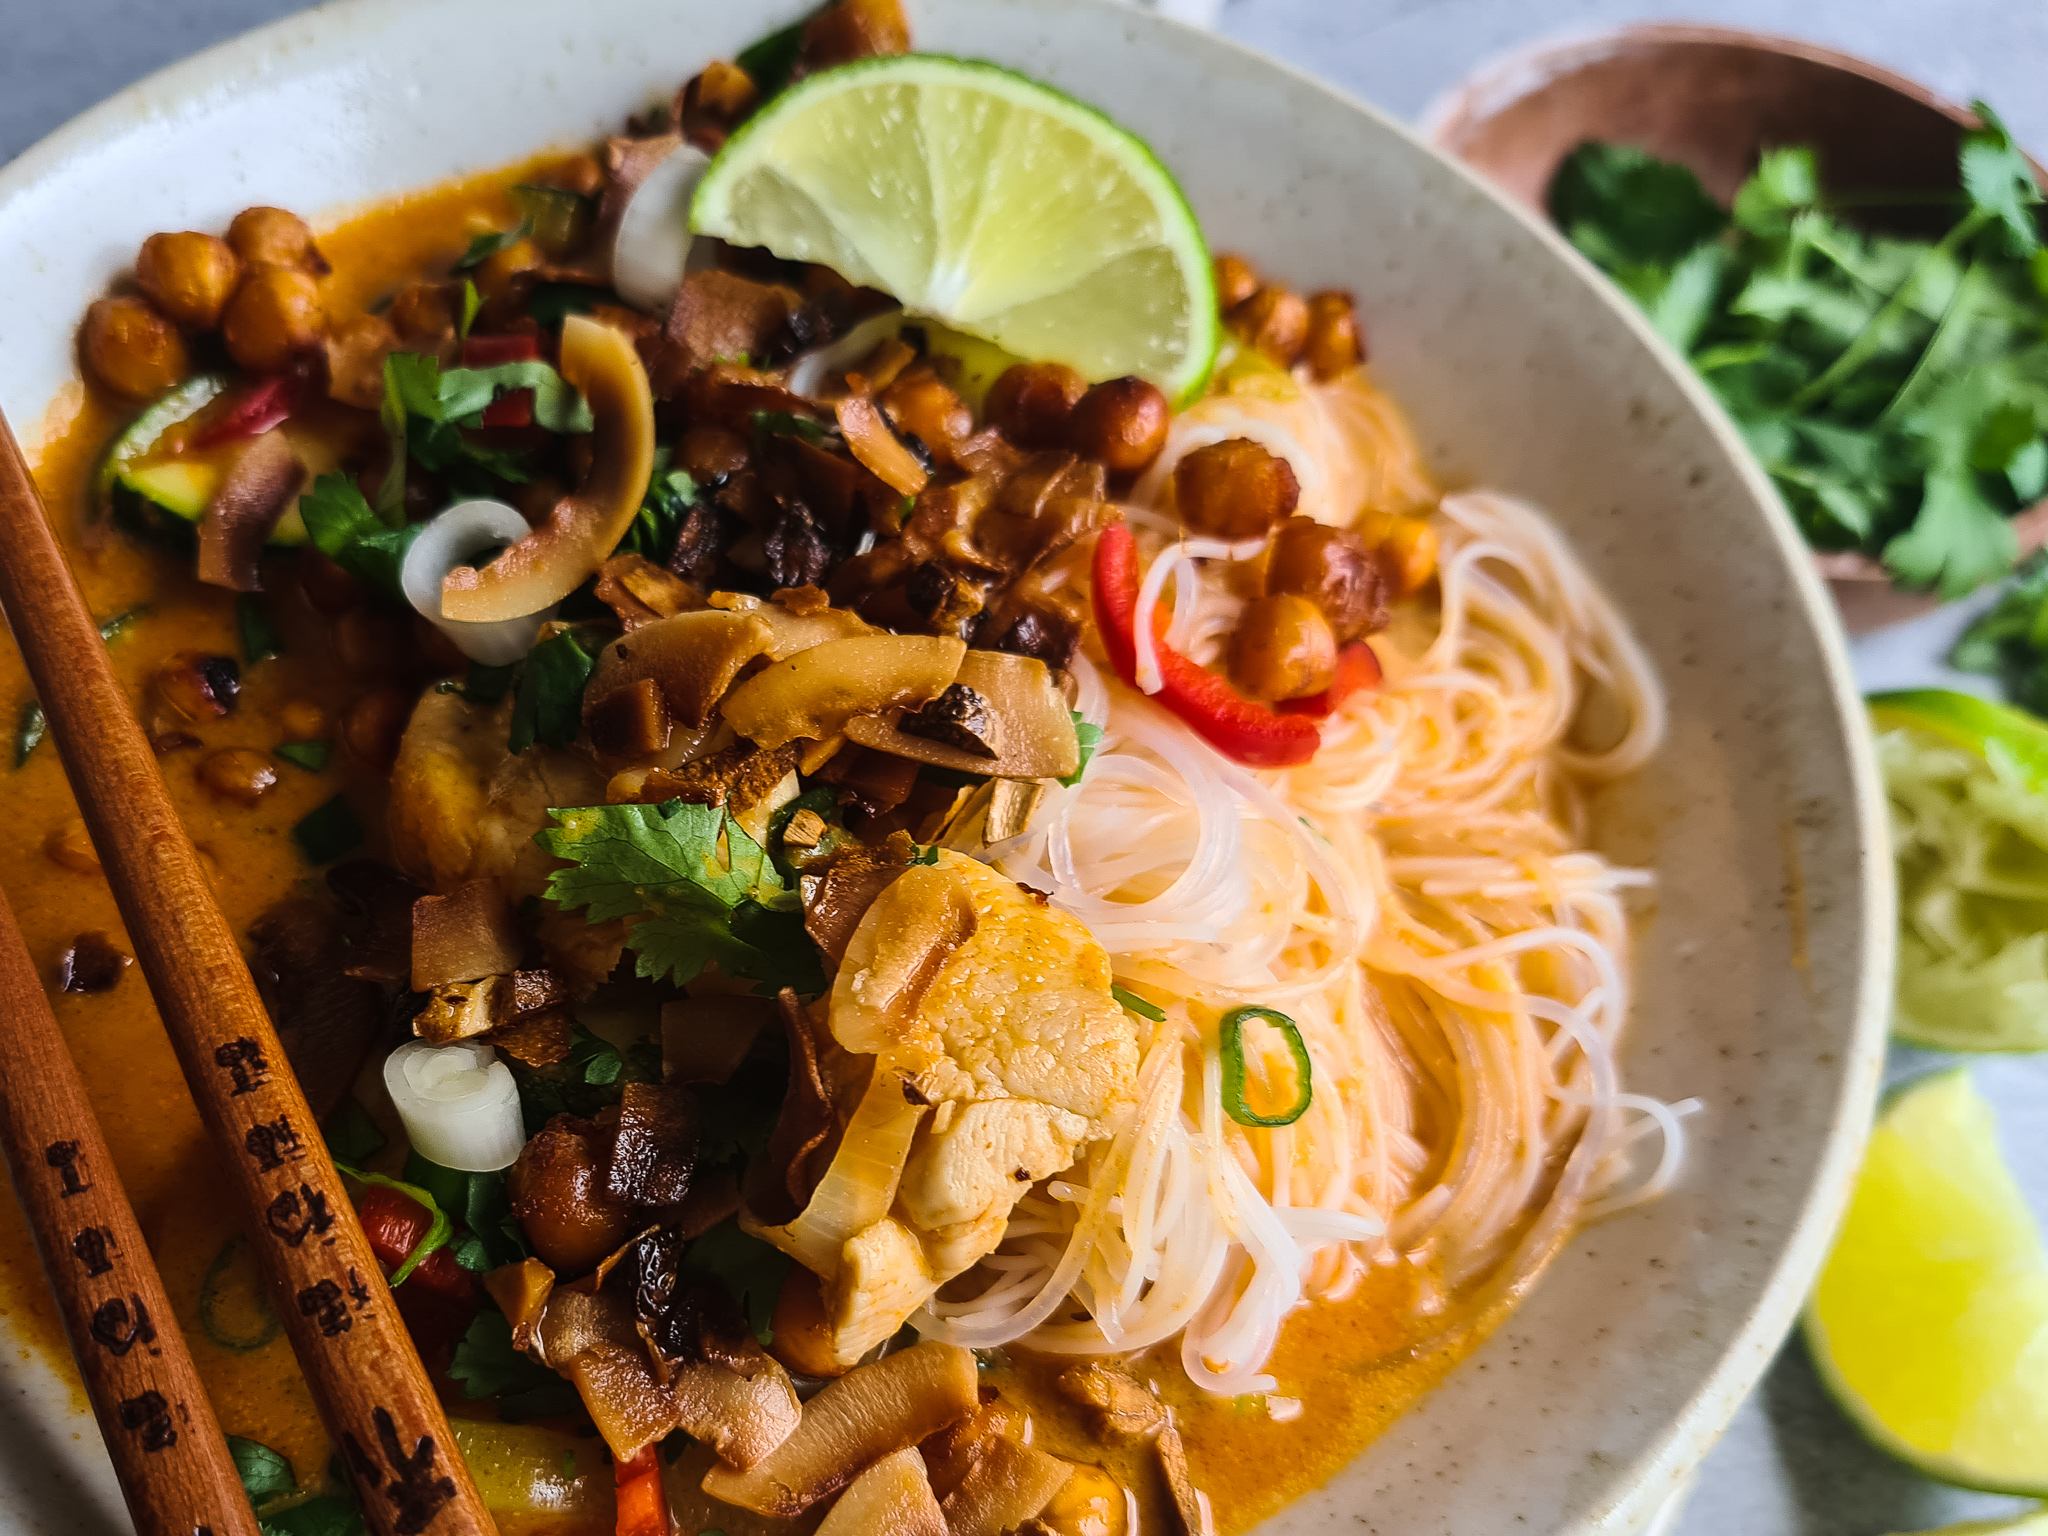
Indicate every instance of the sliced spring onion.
{"type": "Point", "coordinates": [29, 731]}
{"type": "Point", "coordinates": [1231, 1046]}
{"type": "Point", "coordinates": [251, 1291]}
{"type": "Point", "coordinates": [438, 1233]}
{"type": "Point", "coordinates": [1137, 1004]}
{"type": "Point", "coordinates": [313, 756]}
{"type": "Point", "coordinates": [459, 1104]}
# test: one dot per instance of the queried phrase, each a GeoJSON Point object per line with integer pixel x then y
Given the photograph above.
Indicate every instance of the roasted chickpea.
{"type": "Point", "coordinates": [1091, 1504]}
{"type": "Point", "coordinates": [1275, 320]}
{"type": "Point", "coordinates": [373, 725]}
{"type": "Point", "coordinates": [1283, 649]}
{"type": "Point", "coordinates": [273, 237]}
{"type": "Point", "coordinates": [274, 317]}
{"type": "Point", "coordinates": [355, 360]}
{"type": "Point", "coordinates": [302, 720]}
{"type": "Point", "coordinates": [236, 773]}
{"type": "Point", "coordinates": [1334, 345]}
{"type": "Point", "coordinates": [713, 103]}
{"type": "Point", "coordinates": [1409, 554]}
{"type": "Point", "coordinates": [921, 403]}
{"type": "Point", "coordinates": [712, 453]}
{"type": "Point", "coordinates": [1121, 424]}
{"type": "Point", "coordinates": [558, 1193]}
{"type": "Point", "coordinates": [803, 1334]}
{"type": "Point", "coordinates": [1235, 282]}
{"type": "Point", "coordinates": [1334, 568]}
{"type": "Point", "coordinates": [132, 349]}
{"type": "Point", "coordinates": [189, 277]}
{"type": "Point", "coordinates": [426, 312]}
{"type": "Point", "coordinates": [70, 846]}
{"type": "Point", "coordinates": [1033, 404]}
{"type": "Point", "coordinates": [1234, 489]}
{"type": "Point", "coordinates": [197, 687]}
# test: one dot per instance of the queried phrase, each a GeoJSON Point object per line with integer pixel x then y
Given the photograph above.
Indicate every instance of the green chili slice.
{"type": "Point", "coordinates": [211, 1287]}
{"type": "Point", "coordinates": [1231, 1046]}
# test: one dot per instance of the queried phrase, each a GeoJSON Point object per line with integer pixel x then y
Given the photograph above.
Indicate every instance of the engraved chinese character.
{"type": "Point", "coordinates": [117, 1331]}
{"type": "Point", "coordinates": [298, 1214]}
{"type": "Point", "coordinates": [273, 1144]}
{"type": "Point", "coordinates": [324, 1305]}
{"type": "Point", "coordinates": [150, 1416]}
{"type": "Point", "coordinates": [91, 1248]}
{"type": "Point", "coordinates": [358, 1289]}
{"type": "Point", "coordinates": [63, 1156]}
{"type": "Point", "coordinates": [244, 1063]}
{"type": "Point", "coordinates": [415, 1492]}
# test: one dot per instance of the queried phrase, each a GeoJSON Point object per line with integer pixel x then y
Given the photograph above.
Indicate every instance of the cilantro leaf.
{"type": "Point", "coordinates": [487, 1365]}
{"type": "Point", "coordinates": [1959, 541]}
{"type": "Point", "coordinates": [547, 703]}
{"type": "Point", "coordinates": [265, 1475]}
{"type": "Point", "coordinates": [487, 245]}
{"type": "Point", "coordinates": [329, 1514]}
{"type": "Point", "coordinates": [1784, 182]}
{"type": "Point", "coordinates": [671, 493]}
{"type": "Point", "coordinates": [701, 888]}
{"type": "Point", "coordinates": [1625, 207]}
{"type": "Point", "coordinates": [1999, 182]}
{"type": "Point", "coordinates": [465, 392]}
{"type": "Point", "coordinates": [346, 531]}
{"type": "Point", "coordinates": [747, 1267]}
{"type": "Point", "coordinates": [1088, 736]}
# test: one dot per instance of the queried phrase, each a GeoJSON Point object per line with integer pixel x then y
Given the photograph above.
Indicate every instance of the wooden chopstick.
{"type": "Point", "coordinates": [366, 1377]}
{"type": "Point", "coordinates": [173, 1465]}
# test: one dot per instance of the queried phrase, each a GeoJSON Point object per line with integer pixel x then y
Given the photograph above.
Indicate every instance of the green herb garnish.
{"type": "Point", "coordinates": [346, 531]}
{"type": "Point", "coordinates": [438, 1233]}
{"type": "Point", "coordinates": [265, 1475]}
{"type": "Point", "coordinates": [547, 702]}
{"type": "Point", "coordinates": [313, 756]}
{"type": "Point", "coordinates": [487, 245]}
{"type": "Point", "coordinates": [1087, 737]}
{"type": "Point", "coordinates": [329, 831]}
{"type": "Point", "coordinates": [1231, 1046]}
{"type": "Point", "coordinates": [704, 891]}
{"type": "Point", "coordinates": [487, 1365]}
{"type": "Point", "coordinates": [31, 725]}
{"type": "Point", "coordinates": [260, 640]}
{"type": "Point", "coordinates": [1895, 389]}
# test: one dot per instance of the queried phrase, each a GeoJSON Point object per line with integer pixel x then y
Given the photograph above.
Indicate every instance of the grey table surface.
{"type": "Point", "coordinates": [1790, 1465]}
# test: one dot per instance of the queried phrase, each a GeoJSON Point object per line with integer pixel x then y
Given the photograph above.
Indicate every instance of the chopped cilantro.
{"type": "Point", "coordinates": [749, 1268]}
{"type": "Point", "coordinates": [547, 702]}
{"type": "Point", "coordinates": [465, 392]}
{"type": "Point", "coordinates": [2009, 640]}
{"type": "Point", "coordinates": [772, 60]}
{"type": "Point", "coordinates": [1895, 389]}
{"type": "Point", "coordinates": [260, 641]}
{"type": "Point", "coordinates": [487, 245]}
{"type": "Point", "coordinates": [327, 1514]}
{"type": "Point", "coordinates": [769, 424]}
{"type": "Point", "coordinates": [313, 756]}
{"type": "Point", "coordinates": [1088, 737]}
{"type": "Point", "coordinates": [265, 1475]}
{"type": "Point", "coordinates": [487, 1365]}
{"type": "Point", "coordinates": [30, 726]}
{"type": "Point", "coordinates": [702, 889]}
{"type": "Point", "coordinates": [670, 495]}
{"type": "Point", "coordinates": [346, 531]}
{"type": "Point", "coordinates": [480, 1205]}
{"type": "Point", "coordinates": [472, 302]}
{"type": "Point", "coordinates": [326, 833]}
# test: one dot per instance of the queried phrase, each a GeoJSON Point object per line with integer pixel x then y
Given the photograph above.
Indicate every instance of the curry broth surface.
{"type": "Point", "coordinates": [1353, 1365]}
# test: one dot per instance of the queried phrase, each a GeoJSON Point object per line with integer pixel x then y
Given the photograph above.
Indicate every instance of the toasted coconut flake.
{"type": "Point", "coordinates": [468, 933]}
{"type": "Point", "coordinates": [253, 495]}
{"type": "Point", "coordinates": [891, 1498]}
{"type": "Point", "coordinates": [1007, 1485]}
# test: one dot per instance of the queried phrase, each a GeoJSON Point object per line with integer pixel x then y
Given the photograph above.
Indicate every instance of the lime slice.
{"type": "Point", "coordinates": [1930, 1321]}
{"type": "Point", "coordinates": [982, 199]}
{"type": "Point", "coordinates": [1968, 785]}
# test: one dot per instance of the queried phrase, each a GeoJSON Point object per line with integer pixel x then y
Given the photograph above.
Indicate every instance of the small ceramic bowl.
{"type": "Point", "coordinates": [1712, 98]}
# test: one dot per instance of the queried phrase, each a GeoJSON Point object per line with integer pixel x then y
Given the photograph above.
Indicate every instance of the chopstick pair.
{"type": "Point", "coordinates": [366, 1377]}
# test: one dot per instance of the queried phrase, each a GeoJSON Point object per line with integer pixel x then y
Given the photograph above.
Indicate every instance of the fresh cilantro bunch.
{"type": "Point", "coordinates": [699, 888]}
{"type": "Point", "coordinates": [1895, 389]}
{"type": "Point", "coordinates": [2009, 641]}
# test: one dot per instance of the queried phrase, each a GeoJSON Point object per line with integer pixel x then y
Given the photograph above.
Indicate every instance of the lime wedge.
{"type": "Point", "coordinates": [982, 199]}
{"type": "Point", "coordinates": [1930, 1321]}
{"type": "Point", "coordinates": [2035, 1524]}
{"type": "Point", "coordinates": [1968, 785]}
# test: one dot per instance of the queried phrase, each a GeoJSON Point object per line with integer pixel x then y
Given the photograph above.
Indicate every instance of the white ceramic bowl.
{"type": "Point", "coordinates": [1766, 968]}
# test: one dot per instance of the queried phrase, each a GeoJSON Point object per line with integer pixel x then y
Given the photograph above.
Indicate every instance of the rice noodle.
{"type": "Point", "coordinates": [1418, 899]}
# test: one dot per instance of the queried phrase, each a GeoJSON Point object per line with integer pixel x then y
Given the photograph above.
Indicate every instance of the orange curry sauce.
{"type": "Point", "coordinates": [1353, 1364]}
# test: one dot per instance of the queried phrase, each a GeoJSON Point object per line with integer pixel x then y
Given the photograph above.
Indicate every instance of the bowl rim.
{"type": "Point", "coordinates": [1635, 1492]}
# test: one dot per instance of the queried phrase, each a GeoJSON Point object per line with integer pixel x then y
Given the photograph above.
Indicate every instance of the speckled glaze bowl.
{"type": "Point", "coordinates": [1766, 965]}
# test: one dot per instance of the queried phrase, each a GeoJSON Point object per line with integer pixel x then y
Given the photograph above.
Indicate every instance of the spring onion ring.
{"type": "Point", "coordinates": [1231, 1048]}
